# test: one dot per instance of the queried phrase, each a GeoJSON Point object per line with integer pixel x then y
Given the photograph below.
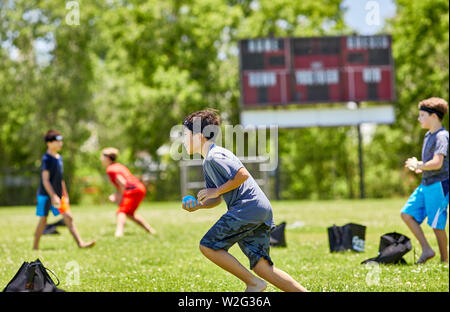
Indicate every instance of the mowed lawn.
{"type": "Point", "coordinates": [171, 261]}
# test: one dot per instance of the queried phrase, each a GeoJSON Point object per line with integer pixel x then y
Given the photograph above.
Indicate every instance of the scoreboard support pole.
{"type": "Point", "coordinates": [361, 160]}
{"type": "Point", "coordinates": [278, 179]}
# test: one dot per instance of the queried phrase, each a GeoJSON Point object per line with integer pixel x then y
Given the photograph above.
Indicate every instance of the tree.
{"type": "Point", "coordinates": [44, 89]}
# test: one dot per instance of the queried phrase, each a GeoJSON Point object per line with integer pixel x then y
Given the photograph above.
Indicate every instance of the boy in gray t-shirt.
{"type": "Point", "coordinates": [430, 199]}
{"type": "Point", "coordinates": [247, 202]}
{"type": "Point", "coordinates": [248, 220]}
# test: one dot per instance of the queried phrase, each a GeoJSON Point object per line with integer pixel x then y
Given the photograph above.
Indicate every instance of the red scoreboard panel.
{"type": "Point", "coordinates": [278, 71]}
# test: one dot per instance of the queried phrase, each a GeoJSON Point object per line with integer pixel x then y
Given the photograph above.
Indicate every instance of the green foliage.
{"type": "Point", "coordinates": [40, 95]}
{"type": "Point", "coordinates": [326, 170]}
{"type": "Point", "coordinates": [130, 70]}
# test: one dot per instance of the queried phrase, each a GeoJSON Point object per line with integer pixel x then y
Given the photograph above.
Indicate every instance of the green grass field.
{"type": "Point", "coordinates": [171, 260]}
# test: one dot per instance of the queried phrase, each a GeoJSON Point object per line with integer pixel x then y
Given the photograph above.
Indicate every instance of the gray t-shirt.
{"type": "Point", "coordinates": [246, 202]}
{"type": "Point", "coordinates": [435, 143]}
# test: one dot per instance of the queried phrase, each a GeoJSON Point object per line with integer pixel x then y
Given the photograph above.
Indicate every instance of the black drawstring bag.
{"type": "Point", "coordinates": [32, 277]}
{"type": "Point", "coordinates": [393, 246]}
{"type": "Point", "coordinates": [51, 228]}
{"type": "Point", "coordinates": [348, 237]}
{"type": "Point", "coordinates": [277, 237]}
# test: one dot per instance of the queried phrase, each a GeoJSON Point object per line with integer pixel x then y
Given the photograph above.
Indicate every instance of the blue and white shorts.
{"type": "Point", "coordinates": [429, 201]}
{"type": "Point", "coordinates": [44, 205]}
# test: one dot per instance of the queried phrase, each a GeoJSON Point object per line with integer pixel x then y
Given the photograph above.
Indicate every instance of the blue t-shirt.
{"type": "Point", "coordinates": [433, 144]}
{"type": "Point", "coordinates": [246, 202]}
{"type": "Point", "coordinates": [55, 168]}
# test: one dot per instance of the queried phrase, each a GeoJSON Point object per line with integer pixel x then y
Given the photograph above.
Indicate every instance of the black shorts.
{"type": "Point", "coordinates": [253, 238]}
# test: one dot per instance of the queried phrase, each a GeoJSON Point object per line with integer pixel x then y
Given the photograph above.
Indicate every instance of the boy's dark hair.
{"type": "Point", "coordinates": [52, 135]}
{"type": "Point", "coordinates": [207, 117]}
{"type": "Point", "coordinates": [434, 105]}
{"type": "Point", "coordinates": [111, 152]}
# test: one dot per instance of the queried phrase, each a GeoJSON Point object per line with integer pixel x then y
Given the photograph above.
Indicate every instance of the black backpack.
{"type": "Point", "coordinates": [32, 277]}
{"type": "Point", "coordinates": [277, 237]}
{"type": "Point", "coordinates": [51, 228]}
{"type": "Point", "coordinates": [393, 246]}
{"type": "Point", "coordinates": [348, 237]}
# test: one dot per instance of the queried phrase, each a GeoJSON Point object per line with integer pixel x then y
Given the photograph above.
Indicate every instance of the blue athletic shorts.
{"type": "Point", "coordinates": [44, 205]}
{"type": "Point", "coordinates": [252, 238]}
{"type": "Point", "coordinates": [429, 201]}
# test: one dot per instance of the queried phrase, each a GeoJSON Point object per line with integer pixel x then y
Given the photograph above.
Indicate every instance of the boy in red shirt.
{"type": "Point", "coordinates": [130, 194]}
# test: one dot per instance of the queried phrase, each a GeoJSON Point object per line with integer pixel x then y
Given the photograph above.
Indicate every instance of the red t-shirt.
{"type": "Point", "coordinates": [131, 181]}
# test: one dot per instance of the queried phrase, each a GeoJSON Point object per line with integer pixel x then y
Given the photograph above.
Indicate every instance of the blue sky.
{"type": "Point", "coordinates": [363, 15]}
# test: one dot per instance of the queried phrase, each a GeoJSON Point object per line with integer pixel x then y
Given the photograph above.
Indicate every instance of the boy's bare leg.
{"type": "Point", "coordinates": [141, 221]}
{"type": "Point", "coordinates": [427, 252]}
{"type": "Point", "coordinates": [39, 230]}
{"type": "Point", "coordinates": [229, 263]}
{"type": "Point", "coordinates": [121, 218]}
{"type": "Point", "coordinates": [68, 220]}
{"type": "Point", "coordinates": [441, 237]}
{"type": "Point", "coordinates": [277, 277]}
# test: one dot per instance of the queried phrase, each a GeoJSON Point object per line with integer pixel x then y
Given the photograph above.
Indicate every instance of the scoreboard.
{"type": "Point", "coordinates": [280, 71]}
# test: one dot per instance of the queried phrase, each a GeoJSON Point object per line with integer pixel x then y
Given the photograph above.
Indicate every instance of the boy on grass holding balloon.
{"type": "Point", "coordinates": [248, 220]}
{"type": "Point", "coordinates": [52, 193]}
{"type": "Point", "coordinates": [430, 199]}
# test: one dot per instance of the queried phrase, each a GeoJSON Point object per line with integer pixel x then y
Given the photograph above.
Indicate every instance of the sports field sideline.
{"type": "Point", "coordinates": [170, 261]}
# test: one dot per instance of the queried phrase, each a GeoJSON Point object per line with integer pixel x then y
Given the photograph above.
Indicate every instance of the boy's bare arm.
{"type": "Point", "coordinates": [230, 185]}
{"type": "Point", "coordinates": [434, 164]}
{"type": "Point", "coordinates": [121, 182]}
{"type": "Point", "coordinates": [210, 203]}
{"type": "Point", "coordinates": [238, 179]}
{"type": "Point", "coordinates": [64, 190]}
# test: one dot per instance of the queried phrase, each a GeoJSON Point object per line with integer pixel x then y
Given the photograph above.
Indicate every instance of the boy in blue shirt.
{"type": "Point", "coordinates": [248, 220]}
{"type": "Point", "coordinates": [52, 194]}
{"type": "Point", "coordinates": [431, 198]}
